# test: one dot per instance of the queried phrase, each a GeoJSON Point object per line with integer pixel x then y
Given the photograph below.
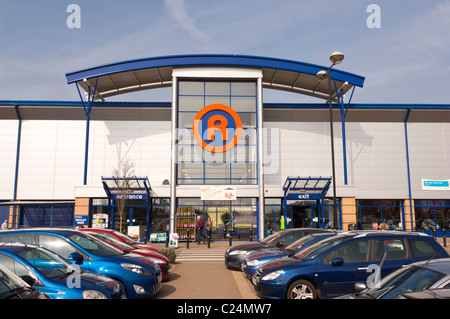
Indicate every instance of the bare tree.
{"type": "Point", "coordinates": [124, 184]}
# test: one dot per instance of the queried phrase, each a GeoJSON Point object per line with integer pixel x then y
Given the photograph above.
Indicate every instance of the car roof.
{"type": "Point", "coordinates": [59, 231]}
{"type": "Point", "coordinates": [441, 265]}
{"type": "Point", "coordinates": [14, 247]}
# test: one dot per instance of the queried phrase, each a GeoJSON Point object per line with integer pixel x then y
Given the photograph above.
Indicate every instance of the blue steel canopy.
{"type": "Point", "coordinates": [133, 188]}
{"type": "Point", "coordinates": [156, 72]}
{"type": "Point", "coordinates": [306, 187]}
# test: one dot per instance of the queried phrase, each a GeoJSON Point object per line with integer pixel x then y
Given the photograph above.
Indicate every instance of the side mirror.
{"type": "Point", "coordinates": [337, 261]}
{"type": "Point", "coordinates": [279, 244]}
{"type": "Point", "coordinates": [28, 279]}
{"type": "Point", "coordinates": [360, 286]}
{"type": "Point", "coordinates": [76, 258]}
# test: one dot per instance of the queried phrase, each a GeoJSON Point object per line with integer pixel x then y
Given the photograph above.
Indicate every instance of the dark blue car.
{"type": "Point", "coordinates": [260, 257]}
{"type": "Point", "coordinates": [138, 276]}
{"type": "Point", "coordinates": [55, 276]}
{"type": "Point", "coordinates": [331, 267]}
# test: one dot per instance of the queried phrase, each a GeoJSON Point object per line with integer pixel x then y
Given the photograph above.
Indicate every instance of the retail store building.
{"type": "Point", "coordinates": [219, 151]}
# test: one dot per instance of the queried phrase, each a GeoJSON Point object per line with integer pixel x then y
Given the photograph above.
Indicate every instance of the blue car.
{"type": "Point", "coordinates": [331, 267]}
{"type": "Point", "coordinates": [256, 259]}
{"type": "Point", "coordinates": [55, 276]}
{"type": "Point", "coordinates": [138, 276]}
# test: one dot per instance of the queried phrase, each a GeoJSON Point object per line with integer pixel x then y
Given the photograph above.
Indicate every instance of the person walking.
{"type": "Point", "coordinates": [208, 226]}
{"type": "Point", "coordinates": [199, 229]}
{"type": "Point", "coordinates": [5, 225]}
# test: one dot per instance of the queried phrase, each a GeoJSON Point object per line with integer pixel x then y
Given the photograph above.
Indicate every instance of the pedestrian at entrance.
{"type": "Point", "coordinates": [208, 226]}
{"type": "Point", "coordinates": [5, 225]}
{"type": "Point", "coordinates": [199, 229]}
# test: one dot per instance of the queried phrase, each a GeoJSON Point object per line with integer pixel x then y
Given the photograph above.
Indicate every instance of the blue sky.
{"type": "Point", "coordinates": [404, 61]}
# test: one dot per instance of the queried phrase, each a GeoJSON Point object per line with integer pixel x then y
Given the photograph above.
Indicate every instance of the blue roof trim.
{"type": "Point", "coordinates": [211, 60]}
{"type": "Point", "coordinates": [265, 105]}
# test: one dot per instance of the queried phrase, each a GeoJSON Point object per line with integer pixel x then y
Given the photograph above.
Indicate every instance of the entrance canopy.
{"type": "Point", "coordinates": [135, 75]}
{"type": "Point", "coordinates": [133, 188]}
{"type": "Point", "coordinates": [304, 188]}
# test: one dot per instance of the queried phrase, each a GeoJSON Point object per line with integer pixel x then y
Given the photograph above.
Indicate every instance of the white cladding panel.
{"type": "Point", "coordinates": [429, 149]}
{"type": "Point", "coordinates": [376, 156]}
{"type": "Point", "coordinates": [52, 155]}
{"type": "Point", "coordinates": [8, 141]}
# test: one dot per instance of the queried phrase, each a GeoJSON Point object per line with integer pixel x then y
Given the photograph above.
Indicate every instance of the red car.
{"type": "Point", "coordinates": [159, 259]}
{"type": "Point", "coordinates": [121, 237]}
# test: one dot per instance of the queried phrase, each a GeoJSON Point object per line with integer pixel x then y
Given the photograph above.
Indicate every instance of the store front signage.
{"type": "Point", "coordinates": [304, 196]}
{"type": "Point", "coordinates": [217, 128]}
{"type": "Point", "coordinates": [435, 185]}
{"type": "Point", "coordinates": [218, 193]}
{"type": "Point", "coordinates": [130, 196]}
{"type": "Point", "coordinates": [80, 220]}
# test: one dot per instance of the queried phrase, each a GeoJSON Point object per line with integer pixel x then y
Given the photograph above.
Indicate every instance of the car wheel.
{"type": "Point", "coordinates": [301, 289]}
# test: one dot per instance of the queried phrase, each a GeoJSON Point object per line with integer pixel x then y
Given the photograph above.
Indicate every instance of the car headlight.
{"type": "Point", "coordinates": [136, 269]}
{"type": "Point", "coordinates": [157, 261]}
{"type": "Point", "coordinates": [252, 263]}
{"type": "Point", "coordinates": [93, 294]}
{"type": "Point", "coordinates": [272, 275]}
{"type": "Point", "coordinates": [238, 252]}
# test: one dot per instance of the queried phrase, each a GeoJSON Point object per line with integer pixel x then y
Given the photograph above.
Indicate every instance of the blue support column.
{"type": "Point", "coordinates": [344, 110]}
{"type": "Point", "coordinates": [87, 110]}
{"type": "Point", "coordinates": [408, 168]}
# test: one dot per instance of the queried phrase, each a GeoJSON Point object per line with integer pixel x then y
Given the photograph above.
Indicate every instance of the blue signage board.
{"type": "Point", "coordinates": [304, 196]}
{"type": "Point", "coordinates": [80, 220]}
{"type": "Point", "coordinates": [131, 196]}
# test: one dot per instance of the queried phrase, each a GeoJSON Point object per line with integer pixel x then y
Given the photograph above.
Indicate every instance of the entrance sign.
{"type": "Point", "coordinates": [218, 193]}
{"type": "Point", "coordinates": [217, 128]}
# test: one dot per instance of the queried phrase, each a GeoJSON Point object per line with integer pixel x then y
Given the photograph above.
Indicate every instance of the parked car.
{"type": "Point", "coordinates": [55, 276]}
{"type": "Point", "coordinates": [259, 257]}
{"type": "Point", "coordinates": [332, 266]}
{"type": "Point", "coordinates": [428, 279]}
{"type": "Point", "coordinates": [121, 237]}
{"type": "Point", "coordinates": [138, 276]}
{"type": "Point", "coordinates": [13, 287]}
{"type": "Point", "coordinates": [235, 255]}
{"type": "Point", "coordinates": [159, 259]}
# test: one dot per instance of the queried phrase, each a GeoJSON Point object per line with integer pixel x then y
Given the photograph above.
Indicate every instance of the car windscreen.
{"type": "Point", "coordinates": [318, 248]}
{"type": "Point", "coordinates": [94, 245]}
{"type": "Point", "coordinates": [9, 283]}
{"type": "Point", "coordinates": [404, 280]}
{"type": "Point", "coordinates": [49, 264]}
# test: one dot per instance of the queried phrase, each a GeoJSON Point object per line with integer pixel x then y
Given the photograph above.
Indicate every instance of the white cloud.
{"type": "Point", "coordinates": [178, 10]}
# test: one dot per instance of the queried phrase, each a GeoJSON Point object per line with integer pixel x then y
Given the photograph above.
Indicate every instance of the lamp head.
{"type": "Point", "coordinates": [336, 57]}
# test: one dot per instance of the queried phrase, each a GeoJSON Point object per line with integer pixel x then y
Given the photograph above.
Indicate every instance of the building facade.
{"type": "Point", "coordinates": [218, 151]}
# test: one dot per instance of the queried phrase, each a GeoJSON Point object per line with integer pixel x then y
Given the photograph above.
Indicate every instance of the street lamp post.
{"type": "Point", "coordinates": [336, 57]}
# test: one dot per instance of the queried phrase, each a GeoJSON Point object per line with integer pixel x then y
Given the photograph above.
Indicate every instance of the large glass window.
{"type": "Point", "coordinates": [380, 211]}
{"type": "Point", "coordinates": [432, 214]}
{"type": "Point", "coordinates": [237, 162]}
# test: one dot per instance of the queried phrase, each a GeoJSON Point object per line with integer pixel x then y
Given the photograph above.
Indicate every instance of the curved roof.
{"type": "Point", "coordinates": [141, 74]}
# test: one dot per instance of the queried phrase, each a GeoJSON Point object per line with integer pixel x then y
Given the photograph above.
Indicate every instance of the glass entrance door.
{"type": "Point", "coordinates": [303, 216]}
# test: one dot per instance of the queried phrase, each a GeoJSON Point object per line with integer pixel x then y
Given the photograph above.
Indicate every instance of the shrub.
{"type": "Point", "coordinates": [169, 253]}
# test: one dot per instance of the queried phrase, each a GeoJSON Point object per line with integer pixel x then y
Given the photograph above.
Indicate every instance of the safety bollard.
{"type": "Point", "coordinates": [167, 239]}
{"type": "Point", "coordinates": [444, 238]}
{"type": "Point", "coordinates": [231, 240]}
{"type": "Point", "coordinates": [251, 234]}
{"type": "Point", "coordinates": [208, 235]}
{"type": "Point", "coordinates": [187, 242]}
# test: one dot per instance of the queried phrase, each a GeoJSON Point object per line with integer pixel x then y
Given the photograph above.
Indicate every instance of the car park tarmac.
{"type": "Point", "coordinates": [199, 272]}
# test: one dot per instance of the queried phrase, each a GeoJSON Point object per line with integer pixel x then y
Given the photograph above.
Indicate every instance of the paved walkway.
{"type": "Point", "coordinates": [199, 272]}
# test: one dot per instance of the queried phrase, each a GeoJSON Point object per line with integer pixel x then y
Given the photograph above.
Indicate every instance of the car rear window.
{"type": "Point", "coordinates": [422, 248]}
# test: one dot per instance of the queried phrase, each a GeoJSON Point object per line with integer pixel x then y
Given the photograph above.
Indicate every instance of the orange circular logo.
{"type": "Point", "coordinates": [217, 128]}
